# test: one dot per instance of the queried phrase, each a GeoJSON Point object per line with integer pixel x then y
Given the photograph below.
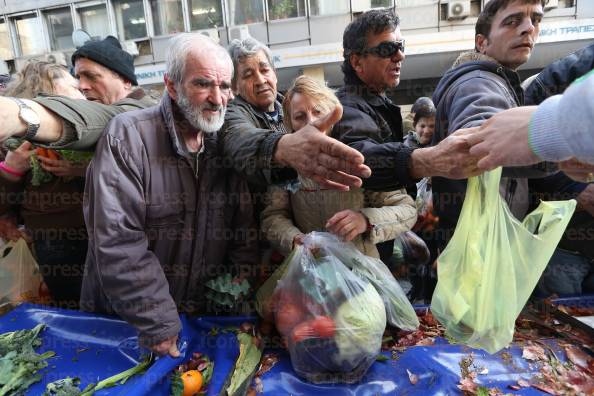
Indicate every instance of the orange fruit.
{"type": "Point", "coordinates": [192, 380]}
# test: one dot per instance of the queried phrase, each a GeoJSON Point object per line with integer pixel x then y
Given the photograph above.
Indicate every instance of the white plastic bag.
{"type": "Point", "coordinates": [20, 279]}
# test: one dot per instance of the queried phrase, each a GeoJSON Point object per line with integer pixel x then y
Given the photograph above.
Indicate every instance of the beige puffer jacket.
{"type": "Point", "coordinates": [289, 214]}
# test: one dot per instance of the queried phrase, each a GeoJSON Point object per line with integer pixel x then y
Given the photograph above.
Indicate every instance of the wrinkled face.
{"type": "Point", "coordinates": [205, 91]}
{"type": "Point", "coordinates": [66, 85]}
{"type": "Point", "coordinates": [377, 72]}
{"type": "Point", "coordinates": [513, 34]}
{"type": "Point", "coordinates": [256, 81]}
{"type": "Point", "coordinates": [305, 110]}
{"type": "Point", "coordinates": [424, 128]}
{"type": "Point", "coordinates": [98, 83]}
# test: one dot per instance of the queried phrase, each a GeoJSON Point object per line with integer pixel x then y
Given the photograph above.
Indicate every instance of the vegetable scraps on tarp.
{"type": "Point", "coordinates": [19, 363]}
{"type": "Point", "coordinates": [69, 386]}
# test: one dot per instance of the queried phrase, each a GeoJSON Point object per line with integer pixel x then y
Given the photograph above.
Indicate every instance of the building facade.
{"type": "Point", "coordinates": [305, 35]}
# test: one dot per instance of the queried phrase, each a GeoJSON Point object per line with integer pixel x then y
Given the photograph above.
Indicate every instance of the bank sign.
{"type": "Point", "coordinates": [427, 43]}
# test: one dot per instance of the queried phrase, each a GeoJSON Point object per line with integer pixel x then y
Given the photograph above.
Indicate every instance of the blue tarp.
{"type": "Point", "coordinates": [94, 347]}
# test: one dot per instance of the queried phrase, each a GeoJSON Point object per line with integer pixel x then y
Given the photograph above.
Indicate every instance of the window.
{"type": "Point", "coordinates": [94, 20]}
{"type": "Point", "coordinates": [329, 7]}
{"type": "Point", "coordinates": [59, 27]}
{"type": "Point", "coordinates": [246, 11]}
{"type": "Point", "coordinates": [167, 16]}
{"type": "Point", "coordinates": [283, 9]}
{"type": "Point", "coordinates": [130, 22]}
{"type": "Point", "coordinates": [381, 3]}
{"type": "Point", "coordinates": [5, 45]}
{"type": "Point", "coordinates": [205, 14]}
{"type": "Point", "coordinates": [29, 34]}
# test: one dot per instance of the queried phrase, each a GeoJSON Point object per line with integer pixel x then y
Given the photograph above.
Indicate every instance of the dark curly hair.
{"type": "Point", "coordinates": [354, 39]}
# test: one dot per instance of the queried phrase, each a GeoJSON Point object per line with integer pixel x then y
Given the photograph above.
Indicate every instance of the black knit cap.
{"type": "Point", "coordinates": [109, 53]}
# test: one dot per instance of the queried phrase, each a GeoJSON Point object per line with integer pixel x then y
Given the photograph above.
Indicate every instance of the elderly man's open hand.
{"type": "Point", "coordinates": [326, 160]}
{"type": "Point", "coordinates": [450, 159]}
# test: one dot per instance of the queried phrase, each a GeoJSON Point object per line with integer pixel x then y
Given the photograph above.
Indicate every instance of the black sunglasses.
{"type": "Point", "coordinates": [386, 49]}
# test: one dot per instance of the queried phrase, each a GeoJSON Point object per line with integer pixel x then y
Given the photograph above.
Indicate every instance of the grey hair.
{"type": "Point", "coordinates": [181, 45]}
{"type": "Point", "coordinates": [240, 49]}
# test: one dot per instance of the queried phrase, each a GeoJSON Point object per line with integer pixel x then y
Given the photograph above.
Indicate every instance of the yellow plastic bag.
{"type": "Point", "coordinates": [493, 263]}
{"type": "Point", "coordinates": [20, 279]}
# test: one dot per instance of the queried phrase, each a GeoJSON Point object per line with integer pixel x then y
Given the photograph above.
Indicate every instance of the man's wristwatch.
{"type": "Point", "coordinates": [29, 117]}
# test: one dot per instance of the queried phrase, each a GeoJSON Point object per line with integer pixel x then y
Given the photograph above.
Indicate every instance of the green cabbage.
{"type": "Point", "coordinates": [360, 324]}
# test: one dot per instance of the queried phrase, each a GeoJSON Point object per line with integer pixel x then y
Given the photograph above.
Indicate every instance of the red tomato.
{"type": "Point", "coordinates": [287, 316]}
{"type": "Point", "coordinates": [302, 331]}
{"type": "Point", "coordinates": [323, 326]}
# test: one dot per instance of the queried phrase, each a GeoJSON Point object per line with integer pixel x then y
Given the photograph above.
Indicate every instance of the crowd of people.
{"type": "Point", "coordinates": [224, 174]}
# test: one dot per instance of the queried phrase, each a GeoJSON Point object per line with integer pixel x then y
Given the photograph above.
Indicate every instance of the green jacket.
{"type": "Point", "coordinates": [84, 121]}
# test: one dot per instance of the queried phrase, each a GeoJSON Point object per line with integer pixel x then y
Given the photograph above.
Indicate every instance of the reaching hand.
{"type": "Point", "coordinates": [450, 159]}
{"type": "Point", "coordinates": [319, 157]}
{"type": "Point", "coordinates": [503, 139]}
{"type": "Point", "coordinates": [168, 346]}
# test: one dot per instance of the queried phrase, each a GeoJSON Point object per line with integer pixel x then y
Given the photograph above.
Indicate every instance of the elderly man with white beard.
{"type": "Point", "coordinates": [164, 213]}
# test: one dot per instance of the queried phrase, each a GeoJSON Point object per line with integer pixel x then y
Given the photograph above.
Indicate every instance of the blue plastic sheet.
{"type": "Point", "coordinates": [94, 347]}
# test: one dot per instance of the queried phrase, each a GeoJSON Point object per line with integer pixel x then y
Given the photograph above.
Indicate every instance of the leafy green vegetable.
{"type": "Point", "coordinates": [70, 386]}
{"type": "Point", "coordinates": [399, 310]}
{"type": "Point", "coordinates": [381, 358]}
{"type": "Point", "coordinates": [119, 378]}
{"type": "Point", "coordinates": [38, 174]}
{"type": "Point", "coordinates": [482, 391]}
{"type": "Point", "coordinates": [19, 363]}
{"type": "Point", "coordinates": [177, 385]}
{"type": "Point", "coordinates": [246, 364]}
{"type": "Point", "coordinates": [360, 324]}
{"type": "Point", "coordinates": [63, 387]}
{"type": "Point", "coordinates": [226, 291]}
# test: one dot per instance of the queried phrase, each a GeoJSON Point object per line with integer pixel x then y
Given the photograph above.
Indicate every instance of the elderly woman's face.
{"type": "Point", "coordinates": [256, 81]}
{"type": "Point", "coordinates": [305, 110]}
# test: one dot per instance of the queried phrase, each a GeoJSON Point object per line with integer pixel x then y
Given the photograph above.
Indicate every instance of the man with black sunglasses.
{"type": "Point", "coordinates": [372, 124]}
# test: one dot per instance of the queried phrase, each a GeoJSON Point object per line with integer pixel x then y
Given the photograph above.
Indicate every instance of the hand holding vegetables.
{"type": "Point", "coordinates": [19, 160]}
{"type": "Point", "coordinates": [347, 224]}
{"type": "Point", "coordinates": [62, 168]}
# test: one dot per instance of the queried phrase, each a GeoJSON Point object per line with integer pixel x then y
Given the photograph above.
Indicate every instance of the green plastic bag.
{"type": "Point", "coordinates": [493, 263]}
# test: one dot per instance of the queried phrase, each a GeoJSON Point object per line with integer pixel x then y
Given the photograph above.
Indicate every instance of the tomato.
{"type": "Point", "coordinates": [323, 326]}
{"type": "Point", "coordinates": [192, 380]}
{"type": "Point", "coordinates": [287, 316]}
{"type": "Point", "coordinates": [41, 151]}
{"type": "Point", "coordinates": [302, 331]}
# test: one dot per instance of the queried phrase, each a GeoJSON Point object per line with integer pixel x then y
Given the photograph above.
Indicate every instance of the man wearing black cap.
{"type": "Point", "coordinates": [105, 72]}
{"type": "Point", "coordinates": [106, 77]}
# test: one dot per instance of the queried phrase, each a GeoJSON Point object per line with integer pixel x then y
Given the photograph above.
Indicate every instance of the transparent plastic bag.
{"type": "Point", "coordinates": [410, 249]}
{"type": "Point", "coordinates": [333, 320]}
{"type": "Point", "coordinates": [493, 263]}
{"type": "Point", "coordinates": [399, 311]}
{"type": "Point", "coordinates": [20, 279]}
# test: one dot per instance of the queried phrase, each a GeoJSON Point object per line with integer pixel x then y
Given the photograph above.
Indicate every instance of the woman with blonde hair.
{"type": "Point", "coordinates": [363, 217]}
{"type": "Point", "coordinates": [50, 207]}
